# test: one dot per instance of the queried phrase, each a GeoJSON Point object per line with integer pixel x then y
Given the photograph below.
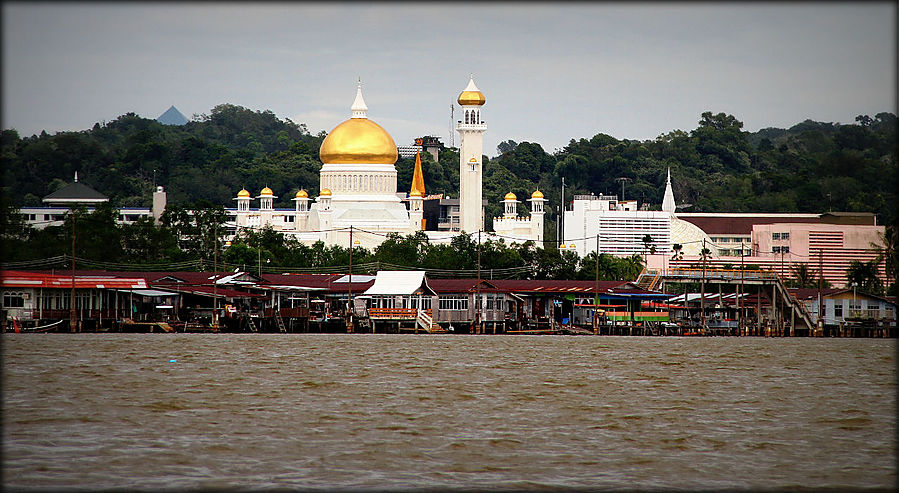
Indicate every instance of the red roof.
{"type": "Point", "coordinates": [555, 286]}
{"type": "Point", "coordinates": [461, 285]}
{"type": "Point", "coordinates": [812, 293]}
{"type": "Point", "coordinates": [219, 292]}
{"type": "Point", "coordinates": [740, 225]}
{"type": "Point", "coordinates": [325, 281]}
{"type": "Point", "coordinates": [22, 279]}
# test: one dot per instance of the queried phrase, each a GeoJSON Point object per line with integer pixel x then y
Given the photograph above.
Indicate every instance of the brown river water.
{"type": "Point", "coordinates": [400, 412]}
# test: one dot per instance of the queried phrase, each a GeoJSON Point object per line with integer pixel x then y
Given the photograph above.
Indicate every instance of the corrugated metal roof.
{"type": "Point", "coordinates": [399, 282]}
{"type": "Point", "coordinates": [21, 279]}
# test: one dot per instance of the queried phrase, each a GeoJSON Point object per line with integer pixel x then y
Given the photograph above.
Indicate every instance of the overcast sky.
{"type": "Point", "coordinates": [549, 72]}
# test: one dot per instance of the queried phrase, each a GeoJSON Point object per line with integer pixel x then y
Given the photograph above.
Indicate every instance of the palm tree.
{"type": "Point", "coordinates": [678, 251]}
{"type": "Point", "coordinates": [803, 277]}
{"type": "Point", "coordinates": [864, 275]}
{"type": "Point", "coordinates": [888, 252]}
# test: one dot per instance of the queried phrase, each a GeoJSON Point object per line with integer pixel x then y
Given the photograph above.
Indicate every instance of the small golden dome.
{"type": "Point", "coordinates": [510, 196]}
{"type": "Point", "coordinates": [325, 193]}
{"type": "Point", "coordinates": [301, 194]}
{"type": "Point", "coordinates": [243, 193]}
{"type": "Point", "coordinates": [471, 96]}
{"type": "Point", "coordinates": [415, 193]}
{"type": "Point", "coordinates": [358, 140]}
{"type": "Point", "coordinates": [537, 195]}
{"type": "Point", "coordinates": [266, 191]}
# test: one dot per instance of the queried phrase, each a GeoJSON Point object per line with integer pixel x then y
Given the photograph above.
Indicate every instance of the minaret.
{"type": "Point", "coordinates": [471, 130]}
{"type": "Point", "coordinates": [243, 206]}
{"type": "Point", "coordinates": [324, 216]}
{"type": "Point", "coordinates": [159, 200]}
{"type": "Point", "coordinates": [266, 210]}
{"type": "Point", "coordinates": [301, 215]}
{"type": "Point", "coordinates": [537, 201]}
{"type": "Point", "coordinates": [417, 196]}
{"type": "Point", "coordinates": [511, 206]}
{"type": "Point", "coordinates": [668, 204]}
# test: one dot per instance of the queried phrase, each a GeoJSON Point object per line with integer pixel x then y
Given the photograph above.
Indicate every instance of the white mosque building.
{"type": "Point", "coordinates": [358, 189]}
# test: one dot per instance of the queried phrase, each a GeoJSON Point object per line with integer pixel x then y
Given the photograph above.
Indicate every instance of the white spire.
{"type": "Point", "coordinates": [668, 204]}
{"type": "Point", "coordinates": [359, 108]}
{"type": "Point", "coordinates": [76, 176]}
{"type": "Point", "coordinates": [471, 86]}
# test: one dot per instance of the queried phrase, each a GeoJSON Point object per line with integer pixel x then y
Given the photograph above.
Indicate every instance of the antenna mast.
{"type": "Point", "coordinates": [452, 139]}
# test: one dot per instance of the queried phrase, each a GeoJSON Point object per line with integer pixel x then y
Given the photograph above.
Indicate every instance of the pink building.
{"type": "Point", "coordinates": [778, 242]}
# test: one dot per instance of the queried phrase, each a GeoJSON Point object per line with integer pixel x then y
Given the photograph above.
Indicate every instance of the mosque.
{"type": "Point", "coordinates": [359, 203]}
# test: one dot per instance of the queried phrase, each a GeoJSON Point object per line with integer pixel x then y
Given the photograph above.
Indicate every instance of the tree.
{"type": "Point", "coordinates": [803, 277]}
{"type": "Point", "coordinates": [888, 252]}
{"type": "Point", "coordinates": [506, 146]}
{"type": "Point", "coordinates": [864, 276]}
{"type": "Point", "coordinates": [198, 228]}
{"type": "Point", "coordinates": [678, 250]}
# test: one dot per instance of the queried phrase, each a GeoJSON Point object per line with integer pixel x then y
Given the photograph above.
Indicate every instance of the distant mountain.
{"type": "Point", "coordinates": [172, 117]}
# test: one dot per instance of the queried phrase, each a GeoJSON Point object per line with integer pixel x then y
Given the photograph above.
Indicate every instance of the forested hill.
{"type": "Point", "coordinates": [716, 167]}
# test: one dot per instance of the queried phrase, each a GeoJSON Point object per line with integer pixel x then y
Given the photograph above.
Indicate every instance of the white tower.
{"type": "Point", "coordinates": [243, 207]}
{"type": "Point", "coordinates": [471, 130]}
{"type": "Point", "coordinates": [537, 201]}
{"type": "Point", "coordinates": [324, 216]}
{"type": "Point", "coordinates": [266, 210]}
{"type": "Point", "coordinates": [158, 204]}
{"type": "Point", "coordinates": [301, 216]}
{"type": "Point", "coordinates": [668, 204]}
{"type": "Point", "coordinates": [511, 206]}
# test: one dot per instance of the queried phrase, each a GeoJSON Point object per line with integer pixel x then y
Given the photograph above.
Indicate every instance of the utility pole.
{"type": "Point", "coordinates": [478, 290]}
{"type": "Point", "coordinates": [819, 324]}
{"type": "Point", "coordinates": [561, 221]}
{"type": "Point", "coordinates": [215, 283]}
{"type": "Point", "coordinates": [349, 317]}
{"type": "Point", "coordinates": [73, 315]}
{"type": "Point", "coordinates": [702, 289]}
{"type": "Point", "coordinates": [740, 296]}
{"type": "Point", "coordinates": [596, 292]}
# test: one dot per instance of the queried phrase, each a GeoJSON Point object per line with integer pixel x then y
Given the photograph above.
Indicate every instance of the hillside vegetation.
{"type": "Point", "coordinates": [716, 167]}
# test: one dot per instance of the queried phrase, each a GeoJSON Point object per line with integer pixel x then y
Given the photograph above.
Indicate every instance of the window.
{"type": "Point", "coordinates": [13, 299]}
{"type": "Point", "coordinates": [453, 302]}
{"type": "Point", "coordinates": [785, 236]}
{"type": "Point", "coordinates": [425, 302]}
{"type": "Point", "coordinates": [775, 236]}
{"type": "Point", "coordinates": [838, 310]}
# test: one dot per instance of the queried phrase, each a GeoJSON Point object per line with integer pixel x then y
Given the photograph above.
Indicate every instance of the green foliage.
{"type": "Point", "coordinates": [863, 275]}
{"type": "Point", "coordinates": [810, 167]}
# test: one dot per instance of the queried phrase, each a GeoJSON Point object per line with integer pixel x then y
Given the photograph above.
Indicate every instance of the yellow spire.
{"type": "Point", "coordinates": [418, 178]}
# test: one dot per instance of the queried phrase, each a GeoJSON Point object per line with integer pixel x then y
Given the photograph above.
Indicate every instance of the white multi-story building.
{"type": "Point", "coordinates": [615, 227]}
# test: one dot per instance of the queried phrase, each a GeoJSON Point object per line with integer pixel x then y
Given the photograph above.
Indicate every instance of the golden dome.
{"type": "Point", "coordinates": [325, 193]}
{"type": "Point", "coordinates": [471, 96]}
{"type": "Point", "coordinates": [266, 191]}
{"type": "Point", "coordinates": [243, 193]}
{"type": "Point", "coordinates": [358, 140]}
{"type": "Point", "coordinates": [537, 195]}
{"type": "Point", "coordinates": [301, 194]}
{"type": "Point", "coordinates": [510, 196]}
